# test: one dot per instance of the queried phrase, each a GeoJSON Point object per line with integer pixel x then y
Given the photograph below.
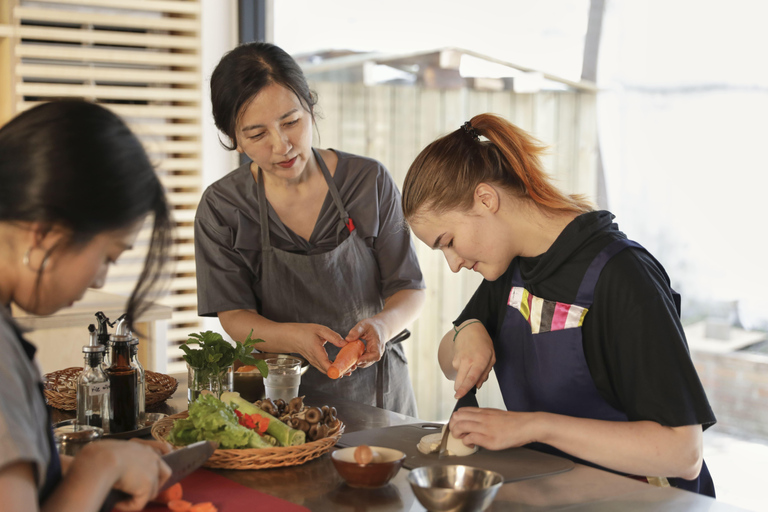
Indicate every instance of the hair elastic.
{"type": "Point", "coordinates": [459, 330]}
{"type": "Point", "coordinates": [471, 131]}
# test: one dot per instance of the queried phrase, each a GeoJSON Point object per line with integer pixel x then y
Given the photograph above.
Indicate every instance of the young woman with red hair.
{"type": "Point", "coordinates": [579, 323]}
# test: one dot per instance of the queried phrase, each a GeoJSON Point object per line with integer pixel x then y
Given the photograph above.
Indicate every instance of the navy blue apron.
{"type": "Point", "coordinates": [540, 363]}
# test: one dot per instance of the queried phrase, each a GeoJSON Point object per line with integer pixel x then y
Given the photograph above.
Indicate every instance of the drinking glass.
{"type": "Point", "coordinates": [283, 378]}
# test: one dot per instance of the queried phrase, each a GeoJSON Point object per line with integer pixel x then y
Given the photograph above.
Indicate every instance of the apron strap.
{"type": "Point", "coordinates": [263, 213]}
{"type": "Point", "coordinates": [586, 293]}
{"type": "Point", "coordinates": [346, 221]}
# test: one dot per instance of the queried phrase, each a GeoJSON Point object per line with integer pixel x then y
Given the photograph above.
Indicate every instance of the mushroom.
{"type": "Point", "coordinates": [295, 405]}
{"type": "Point", "coordinates": [294, 422]}
{"type": "Point", "coordinates": [280, 405]}
{"type": "Point", "coordinates": [269, 407]}
{"type": "Point", "coordinates": [313, 415]}
{"type": "Point", "coordinates": [334, 427]}
{"type": "Point", "coordinates": [322, 431]}
{"type": "Point", "coordinates": [303, 425]}
{"type": "Point", "coordinates": [313, 432]}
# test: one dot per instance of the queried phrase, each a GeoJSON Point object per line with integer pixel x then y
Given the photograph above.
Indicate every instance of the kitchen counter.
{"type": "Point", "coordinates": [317, 486]}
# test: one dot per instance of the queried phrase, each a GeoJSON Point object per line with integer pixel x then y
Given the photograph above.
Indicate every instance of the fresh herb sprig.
{"type": "Point", "coordinates": [216, 354]}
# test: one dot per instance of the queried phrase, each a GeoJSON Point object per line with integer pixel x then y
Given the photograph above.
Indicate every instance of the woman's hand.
{"type": "Point", "coordinates": [375, 335]}
{"type": "Point", "coordinates": [310, 340]}
{"type": "Point", "coordinates": [492, 429]}
{"type": "Point", "coordinates": [134, 467]}
{"type": "Point", "coordinates": [472, 354]}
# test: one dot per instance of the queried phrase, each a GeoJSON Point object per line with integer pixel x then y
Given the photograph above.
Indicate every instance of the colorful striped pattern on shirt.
{"type": "Point", "coordinates": [545, 315]}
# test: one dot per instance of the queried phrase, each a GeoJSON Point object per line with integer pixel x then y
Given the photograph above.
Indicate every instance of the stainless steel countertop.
{"type": "Point", "coordinates": [317, 486]}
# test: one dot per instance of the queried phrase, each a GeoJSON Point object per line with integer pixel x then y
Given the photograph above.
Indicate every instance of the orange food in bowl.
{"type": "Point", "coordinates": [383, 466]}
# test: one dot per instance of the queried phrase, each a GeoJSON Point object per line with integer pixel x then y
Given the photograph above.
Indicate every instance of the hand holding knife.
{"type": "Point", "coordinates": [182, 462]}
{"type": "Point", "coordinates": [468, 400]}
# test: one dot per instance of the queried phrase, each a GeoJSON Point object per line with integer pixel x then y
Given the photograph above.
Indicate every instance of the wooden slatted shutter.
{"type": "Point", "coordinates": [141, 59]}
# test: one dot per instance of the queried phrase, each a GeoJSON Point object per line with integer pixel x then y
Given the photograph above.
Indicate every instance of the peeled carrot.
{"type": "Point", "coordinates": [172, 493]}
{"type": "Point", "coordinates": [179, 506]}
{"type": "Point", "coordinates": [348, 356]}
{"type": "Point", "coordinates": [206, 506]}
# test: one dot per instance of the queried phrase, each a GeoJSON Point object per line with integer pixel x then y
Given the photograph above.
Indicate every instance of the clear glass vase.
{"type": "Point", "coordinates": [201, 379]}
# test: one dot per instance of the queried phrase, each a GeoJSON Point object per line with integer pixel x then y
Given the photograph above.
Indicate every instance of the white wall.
{"type": "Point", "coordinates": [220, 34]}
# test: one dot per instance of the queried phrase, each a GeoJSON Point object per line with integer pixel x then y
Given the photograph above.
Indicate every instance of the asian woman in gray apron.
{"type": "Point", "coordinates": [337, 289]}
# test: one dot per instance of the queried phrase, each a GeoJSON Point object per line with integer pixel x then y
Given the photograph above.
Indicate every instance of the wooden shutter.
{"type": "Point", "coordinates": [141, 59]}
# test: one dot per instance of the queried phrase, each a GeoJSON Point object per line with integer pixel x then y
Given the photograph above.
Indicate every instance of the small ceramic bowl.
{"type": "Point", "coordinates": [384, 466]}
{"type": "Point", "coordinates": [250, 385]}
{"type": "Point", "coordinates": [454, 488]}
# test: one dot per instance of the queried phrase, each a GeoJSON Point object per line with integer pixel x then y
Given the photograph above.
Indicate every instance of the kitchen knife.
{"type": "Point", "coordinates": [182, 462]}
{"type": "Point", "coordinates": [468, 400]}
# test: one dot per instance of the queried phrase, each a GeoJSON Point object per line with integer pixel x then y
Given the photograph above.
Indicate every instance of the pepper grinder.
{"type": "Point", "coordinates": [93, 386]}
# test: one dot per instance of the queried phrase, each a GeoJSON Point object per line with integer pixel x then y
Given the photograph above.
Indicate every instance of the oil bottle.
{"type": "Point", "coordinates": [93, 386]}
{"type": "Point", "coordinates": [123, 381]}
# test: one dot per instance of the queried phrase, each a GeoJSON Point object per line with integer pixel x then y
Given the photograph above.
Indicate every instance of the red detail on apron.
{"type": "Point", "coordinates": [350, 225]}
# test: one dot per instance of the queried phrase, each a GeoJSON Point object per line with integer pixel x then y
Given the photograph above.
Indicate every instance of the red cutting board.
{"type": "Point", "coordinates": [227, 496]}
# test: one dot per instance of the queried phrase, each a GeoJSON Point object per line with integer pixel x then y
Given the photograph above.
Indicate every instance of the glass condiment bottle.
{"type": "Point", "coordinates": [123, 381]}
{"type": "Point", "coordinates": [93, 386]}
{"type": "Point", "coordinates": [102, 335]}
{"type": "Point", "coordinates": [134, 343]}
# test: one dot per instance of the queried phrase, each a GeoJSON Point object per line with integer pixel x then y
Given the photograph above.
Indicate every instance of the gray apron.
{"type": "Point", "coordinates": [336, 289]}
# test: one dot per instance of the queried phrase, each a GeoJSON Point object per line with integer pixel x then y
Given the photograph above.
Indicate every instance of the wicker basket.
{"type": "Point", "coordinates": [60, 388]}
{"type": "Point", "coordinates": [253, 458]}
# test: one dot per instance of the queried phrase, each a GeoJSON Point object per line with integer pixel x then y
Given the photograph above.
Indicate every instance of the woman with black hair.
{"type": "Point", "coordinates": [75, 189]}
{"type": "Point", "coordinates": [304, 246]}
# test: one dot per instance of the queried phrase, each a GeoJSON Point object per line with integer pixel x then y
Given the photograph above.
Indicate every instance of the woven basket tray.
{"type": "Point", "coordinates": [61, 388]}
{"type": "Point", "coordinates": [253, 458]}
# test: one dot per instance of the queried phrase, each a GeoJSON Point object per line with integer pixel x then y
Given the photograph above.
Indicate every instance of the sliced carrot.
{"type": "Point", "coordinates": [174, 492]}
{"type": "Point", "coordinates": [179, 506]}
{"type": "Point", "coordinates": [348, 355]}
{"type": "Point", "coordinates": [246, 368]}
{"type": "Point", "coordinates": [206, 506]}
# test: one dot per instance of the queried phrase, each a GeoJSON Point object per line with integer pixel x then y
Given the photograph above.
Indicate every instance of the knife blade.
{"type": "Point", "coordinates": [182, 462]}
{"type": "Point", "coordinates": [468, 400]}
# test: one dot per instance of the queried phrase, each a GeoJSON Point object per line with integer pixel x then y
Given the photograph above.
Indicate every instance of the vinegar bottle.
{"type": "Point", "coordinates": [93, 387]}
{"type": "Point", "coordinates": [123, 381]}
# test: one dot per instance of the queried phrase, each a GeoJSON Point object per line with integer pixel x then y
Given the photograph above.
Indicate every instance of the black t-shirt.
{"type": "Point", "coordinates": [633, 340]}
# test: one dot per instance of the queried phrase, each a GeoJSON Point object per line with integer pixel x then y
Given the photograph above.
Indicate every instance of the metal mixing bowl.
{"type": "Point", "coordinates": [454, 488]}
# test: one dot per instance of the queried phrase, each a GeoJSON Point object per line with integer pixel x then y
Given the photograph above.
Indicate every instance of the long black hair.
{"type": "Point", "coordinates": [77, 165]}
{"type": "Point", "coordinates": [243, 72]}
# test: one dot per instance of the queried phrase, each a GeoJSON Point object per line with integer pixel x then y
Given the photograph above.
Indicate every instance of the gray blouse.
{"type": "Point", "coordinates": [227, 231]}
{"type": "Point", "coordinates": [23, 417]}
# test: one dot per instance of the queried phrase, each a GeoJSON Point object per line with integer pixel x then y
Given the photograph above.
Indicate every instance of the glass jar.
{"type": "Point", "coordinates": [202, 379]}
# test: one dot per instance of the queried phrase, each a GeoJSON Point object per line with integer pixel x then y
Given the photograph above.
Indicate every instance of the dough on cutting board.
{"type": "Point", "coordinates": [431, 443]}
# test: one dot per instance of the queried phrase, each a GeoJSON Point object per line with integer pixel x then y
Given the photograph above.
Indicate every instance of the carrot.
{"type": "Point", "coordinates": [172, 493]}
{"type": "Point", "coordinates": [206, 506]}
{"type": "Point", "coordinates": [348, 356]}
{"type": "Point", "coordinates": [246, 368]}
{"type": "Point", "coordinates": [179, 506]}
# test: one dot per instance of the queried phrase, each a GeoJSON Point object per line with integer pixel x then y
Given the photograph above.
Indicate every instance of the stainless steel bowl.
{"type": "Point", "coordinates": [454, 488]}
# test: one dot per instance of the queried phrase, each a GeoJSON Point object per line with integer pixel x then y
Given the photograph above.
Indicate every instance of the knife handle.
{"type": "Point", "coordinates": [468, 400]}
{"type": "Point", "coordinates": [113, 498]}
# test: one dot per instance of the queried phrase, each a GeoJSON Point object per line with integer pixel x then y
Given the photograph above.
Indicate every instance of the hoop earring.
{"type": "Point", "coordinates": [26, 262]}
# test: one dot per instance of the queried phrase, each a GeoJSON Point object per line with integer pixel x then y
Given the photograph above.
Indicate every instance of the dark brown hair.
{"type": "Point", "coordinates": [76, 164]}
{"type": "Point", "coordinates": [445, 174]}
{"type": "Point", "coordinates": [243, 72]}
